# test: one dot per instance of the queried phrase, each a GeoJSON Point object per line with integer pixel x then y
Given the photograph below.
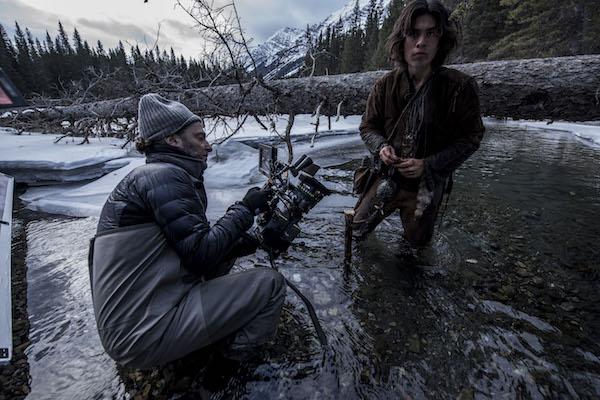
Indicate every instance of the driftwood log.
{"type": "Point", "coordinates": [564, 88]}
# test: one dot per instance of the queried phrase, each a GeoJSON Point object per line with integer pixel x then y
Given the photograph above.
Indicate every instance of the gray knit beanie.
{"type": "Point", "coordinates": [159, 117]}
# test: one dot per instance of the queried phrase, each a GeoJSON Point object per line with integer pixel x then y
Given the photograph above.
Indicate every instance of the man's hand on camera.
{"type": "Point", "coordinates": [257, 200]}
{"type": "Point", "coordinates": [388, 155]}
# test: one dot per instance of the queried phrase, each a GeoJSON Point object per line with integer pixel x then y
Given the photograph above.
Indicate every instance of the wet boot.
{"type": "Point", "coordinates": [409, 265]}
{"type": "Point", "coordinates": [406, 254]}
{"type": "Point", "coordinates": [220, 371]}
{"type": "Point", "coordinates": [424, 255]}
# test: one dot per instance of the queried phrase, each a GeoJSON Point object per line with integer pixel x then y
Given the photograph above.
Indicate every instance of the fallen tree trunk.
{"type": "Point", "coordinates": [565, 88]}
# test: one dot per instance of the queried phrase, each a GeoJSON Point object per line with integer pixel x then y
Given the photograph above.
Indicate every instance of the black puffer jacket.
{"type": "Point", "coordinates": [169, 190]}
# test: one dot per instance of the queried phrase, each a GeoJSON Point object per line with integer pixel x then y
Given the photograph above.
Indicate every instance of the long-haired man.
{"type": "Point", "coordinates": [422, 121]}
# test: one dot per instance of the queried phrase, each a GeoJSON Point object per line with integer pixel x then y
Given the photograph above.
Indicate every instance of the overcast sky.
{"type": "Point", "coordinates": [136, 22]}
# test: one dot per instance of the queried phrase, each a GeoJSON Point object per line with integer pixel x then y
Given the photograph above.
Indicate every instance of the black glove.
{"type": "Point", "coordinates": [257, 200]}
{"type": "Point", "coordinates": [244, 246]}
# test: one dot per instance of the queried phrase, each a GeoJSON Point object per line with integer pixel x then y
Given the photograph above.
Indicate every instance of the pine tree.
{"type": "Point", "coordinates": [79, 62]}
{"type": "Point", "coordinates": [336, 47]}
{"type": "Point", "coordinates": [164, 58]}
{"type": "Point", "coordinates": [539, 29]}
{"type": "Point", "coordinates": [63, 40]}
{"type": "Point", "coordinates": [483, 23]}
{"type": "Point", "coordinates": [24, 60]}
{"type": "Point", "coordinates": [172, 59]}
{"type": "Point", "coordinates": [49, 44]}
{"type": "Point", "coordinates": [39, 48]}
{"type": "Point", "coordinates": [51, 63]}
{"type": "Point", "coordinates": [136, 56]}
{"type": "Point", "coordinates": [77, 42]}
{"type": "Point", "coordinates": [157, 55]}
{"type": "Point", "coordinates": [100, 49]}
{"type": "Point", "coordinates": [8, 59]}
{"type": "Point", "coordinates": [87, 51]}
{"type": "Point", "coordinates": [352, 55]}
{"type": "Point", "coordinates": [371, 32]}
{"type": "Point", "coordinates": [380, 58]}
{"type": "Point", "coordinates": [310, 58]}
{"type": "Point", "coordinates": [590, 26]}
{"type": "Point", "coordinates": [39, 81]}
{"type": "Point", "coordinates": [101, 57]}
{"type": "Point", "coordinates": [55, 64]}
{"type": "Point", "coordinates": [120, 56]}
{"type": "Point", "coordinates": [31, 45]}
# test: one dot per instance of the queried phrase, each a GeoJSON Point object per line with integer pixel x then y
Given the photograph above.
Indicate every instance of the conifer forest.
{"type": "Point", "coordinates": [490, 30]}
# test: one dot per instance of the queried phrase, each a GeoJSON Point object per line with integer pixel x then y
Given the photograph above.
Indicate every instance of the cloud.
{"type": "Point", "coordinates": [110, 20]}
{"type": "Point", "coordinates": [115, 29]}
{"type": "Point", "coordinates": [38, 21]}
{"type": "Point", "coordinates": [107, 29]}
{"type": "Point", "coordinates": [262, 18]}
{"type": "Point", "coordinates": [181, 29]}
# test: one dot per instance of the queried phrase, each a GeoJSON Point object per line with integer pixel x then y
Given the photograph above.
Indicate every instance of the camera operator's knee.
{"type": "Point", "coordinates": [272, 282]}
{"type": "Point", "coordinates": [279, 287]}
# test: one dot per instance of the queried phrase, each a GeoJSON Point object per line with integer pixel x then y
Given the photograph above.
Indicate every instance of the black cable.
{"type": "Point", "coordinates": [311, 310]}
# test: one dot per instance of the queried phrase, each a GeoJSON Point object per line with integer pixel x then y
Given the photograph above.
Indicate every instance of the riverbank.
{"type": "Point", "coordinates": [14, 377]}
{"type": "Point", "coordinates": [507, 308]}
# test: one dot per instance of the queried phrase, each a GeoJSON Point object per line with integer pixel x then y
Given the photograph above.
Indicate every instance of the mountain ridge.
{"type": "Point", "coordinates": [282, 54]}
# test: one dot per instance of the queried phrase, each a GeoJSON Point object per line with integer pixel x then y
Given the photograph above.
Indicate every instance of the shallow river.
{"type": "Point", "coordinates": [509, 306]}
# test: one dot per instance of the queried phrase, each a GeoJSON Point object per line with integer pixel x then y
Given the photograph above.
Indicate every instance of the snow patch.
{"type": "Point", "coordinates": [79, 199]}
{"type": "Point", "coordinates": [232, 166]}
{"type": "Point", "coordinates": [34, 158]}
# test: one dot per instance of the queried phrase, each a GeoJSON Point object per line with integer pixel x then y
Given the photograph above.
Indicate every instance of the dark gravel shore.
{"type": "Point", "coordinates": [14, 377]}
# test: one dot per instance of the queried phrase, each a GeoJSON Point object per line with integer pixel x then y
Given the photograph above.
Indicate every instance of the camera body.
{"type": "Point", "coordinates": [278, 227]}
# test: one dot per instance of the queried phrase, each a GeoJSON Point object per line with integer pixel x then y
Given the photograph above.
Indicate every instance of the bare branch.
{"type": "Point", "coordinates": [234, 132]}
{"type": "Point", "coordinates": [317, 115]}
{"type": "Point", "coordinates": [263, 126]}
{"type": "Point", "coordinates": [339, 111]}
{"type": "Point", "coordinates": [288, 136]}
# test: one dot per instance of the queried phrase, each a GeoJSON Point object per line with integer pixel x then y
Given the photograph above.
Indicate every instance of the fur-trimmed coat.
{"type": "Point", "coordinates": [452, 128]}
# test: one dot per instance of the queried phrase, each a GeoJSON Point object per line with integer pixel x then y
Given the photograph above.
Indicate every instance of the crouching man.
{"type": "Point", "coordinates": [159, 271]}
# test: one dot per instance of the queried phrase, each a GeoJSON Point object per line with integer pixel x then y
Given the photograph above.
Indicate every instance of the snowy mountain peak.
{"type": "Point", "coordinates": [282, 55]}
{"type": "Point", "coordinates": [345, 13]}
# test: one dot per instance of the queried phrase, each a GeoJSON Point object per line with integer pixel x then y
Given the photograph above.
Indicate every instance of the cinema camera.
{"type": "Point", "coordinates": [278, 227]}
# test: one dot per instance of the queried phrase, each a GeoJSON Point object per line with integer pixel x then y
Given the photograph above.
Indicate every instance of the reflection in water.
{"type": "Point", "coordinates": [507, 306]}
{"type": "Point", "coordinates": [66, 358]}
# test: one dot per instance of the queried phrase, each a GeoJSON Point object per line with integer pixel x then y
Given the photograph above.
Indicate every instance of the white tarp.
{"type": "Point", "coordinates": [6, 195]}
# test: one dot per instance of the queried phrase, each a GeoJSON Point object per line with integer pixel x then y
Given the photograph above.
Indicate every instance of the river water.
{"type": "Point", "coordinates": [507, 306]}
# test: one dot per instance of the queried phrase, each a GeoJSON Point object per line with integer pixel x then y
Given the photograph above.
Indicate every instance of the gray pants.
{"type": "Point", "coordinates": [246, 305]}
{"type": "Point", "coordinates": [150, 310]}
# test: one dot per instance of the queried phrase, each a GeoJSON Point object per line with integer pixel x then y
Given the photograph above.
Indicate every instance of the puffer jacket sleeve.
{"type": "Point", "coordinates": [467, 134]}
{"type": "Point", "coordinates": [372, 125]}
{"type": "Point", "coordinates": [180, 212]}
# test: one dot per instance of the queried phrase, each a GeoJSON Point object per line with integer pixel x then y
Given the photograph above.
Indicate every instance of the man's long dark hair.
{"type": "Point", "coordinates": [448, 30]}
